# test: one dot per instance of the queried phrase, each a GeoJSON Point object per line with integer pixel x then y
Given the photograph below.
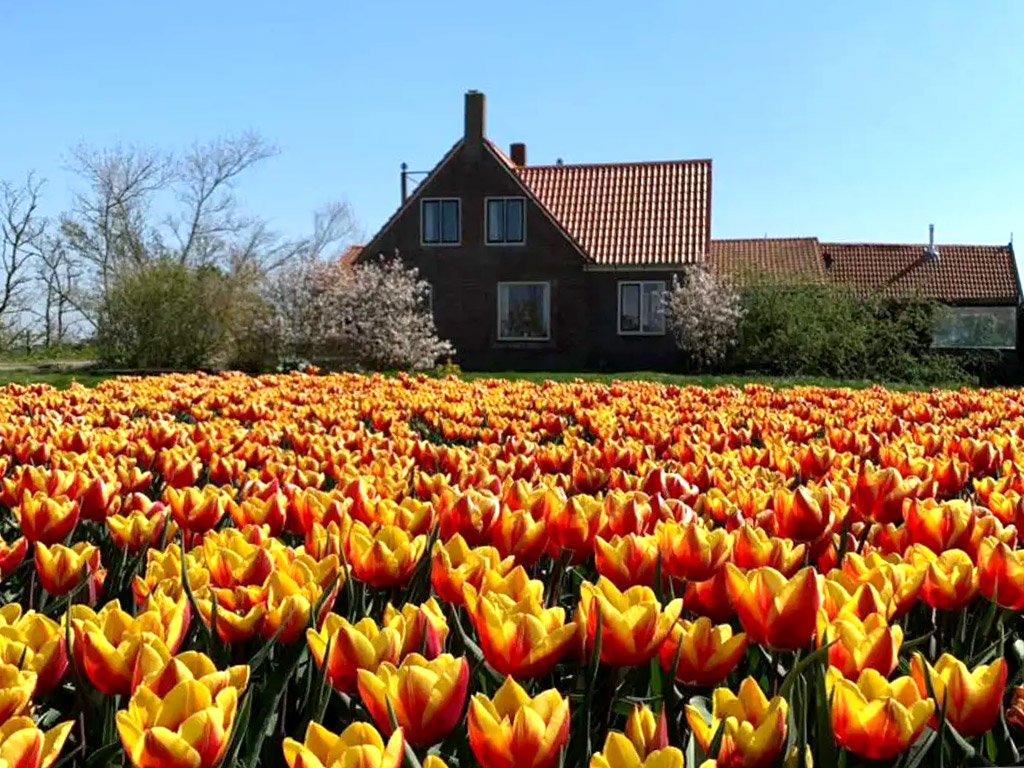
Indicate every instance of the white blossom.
{"type": "Point", "coordinates": [703, 313]}
{"type": "Point", "coordinates": [373, 315]}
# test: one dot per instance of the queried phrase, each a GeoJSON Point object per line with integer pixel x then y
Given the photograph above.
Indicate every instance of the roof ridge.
{"type": "Point", "coordinates": [763, 239]}
{"type": "Point", "coordinates": [868, 244]}
{"type": "Point", "coordinates": [627, 163]}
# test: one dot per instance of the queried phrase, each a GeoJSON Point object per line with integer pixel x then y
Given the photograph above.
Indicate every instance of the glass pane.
{"type": "Point", "coordinates": [629, 307]}
{"type": "Point", "coordinates": [430, 222]}
{"type": "Point", "coordinates": [495, 221]}
{"type": "Point", "coordinates": [514, 221]}
{"type": "Point", "coordinates": [450, 221]}
{"type": "Point", "coordinates": [975, 328]}
{"type": "Point", "coordinates": [524, 311]}
{"type": "Point", "coordinates": [654, 311]}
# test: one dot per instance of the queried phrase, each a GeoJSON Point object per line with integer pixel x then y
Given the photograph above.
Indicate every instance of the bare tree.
{"type": "Point", "coordinates": [141, 209]}
{"type": "Point", "coordinates": [22, 229]}
{"type": "Point", "coordinates": [139, 205]}
{"type": "Point", "coordinates": [57, 310]}
{"type": "Point", "coordinates": [109, 225]}
{"type": "Point", "coordinates": [204, 187]}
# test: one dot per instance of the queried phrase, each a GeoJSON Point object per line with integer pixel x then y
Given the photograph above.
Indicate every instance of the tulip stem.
{"type": "Point", "coordinates": [557, 573]}
{"type": "Point", "coordinates": [863, 538]}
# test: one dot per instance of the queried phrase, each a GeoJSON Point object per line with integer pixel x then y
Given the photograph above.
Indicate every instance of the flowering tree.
{"type": "Point", "coordinates": [703, 313]}
{"type": "Point", "coordinates": [373, 315]}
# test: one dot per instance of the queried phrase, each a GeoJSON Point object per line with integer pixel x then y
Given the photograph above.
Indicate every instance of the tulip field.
{"type": "Point", "coordinates": [353, 571]}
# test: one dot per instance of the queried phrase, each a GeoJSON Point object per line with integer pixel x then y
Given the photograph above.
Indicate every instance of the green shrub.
{"type": "Point", "coordinates": [165, 314]}
{"type": "Point", "coordinates": [799, 329]}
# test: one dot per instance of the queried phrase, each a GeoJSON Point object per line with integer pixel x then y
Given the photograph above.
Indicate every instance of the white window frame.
{"type": "Point", "coordinates": [502, 243]}
{"type": "Point", "coordinates": [618, 314]}
{"type": "Point", "coordinates": [547, 309]}
{"type": "Point", "coordinates": [440, 223]}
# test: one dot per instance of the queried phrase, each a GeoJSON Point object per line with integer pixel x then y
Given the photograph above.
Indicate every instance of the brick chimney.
{"type": "Point", "coordinates": [476, 113]}
{"type": "Point", "coordinates": [517, 152]}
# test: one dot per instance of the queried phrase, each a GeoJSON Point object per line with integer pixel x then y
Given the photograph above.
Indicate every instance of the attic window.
{"type": "Point", "coordinates": [440, 221]}
{"type": "Point", "coordinates": [505, 220]}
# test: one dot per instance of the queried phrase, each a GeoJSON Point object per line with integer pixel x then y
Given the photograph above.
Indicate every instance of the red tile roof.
{"type": "Point", "coordinates": [965, 274]}
{"type": "Point", "coordinates": [628, 213]}
{"type": "Point", "coordinates": [780, 257]}
{"type": "Point", "coordinates": [349, 255]}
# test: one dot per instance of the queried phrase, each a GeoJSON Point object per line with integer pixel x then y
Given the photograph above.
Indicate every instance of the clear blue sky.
{"type": "Point", "coordinates": [850, 121]}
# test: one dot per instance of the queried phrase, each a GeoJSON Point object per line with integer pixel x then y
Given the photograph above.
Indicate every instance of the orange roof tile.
{"type": "Point", "coordinates": [967, 274]}
{"type": "Point", "coordinates": [628, 213]}
{"type": "Point", "coordinates": [349, 255]}
{"type": "Point", "coordinates": [781, 257]}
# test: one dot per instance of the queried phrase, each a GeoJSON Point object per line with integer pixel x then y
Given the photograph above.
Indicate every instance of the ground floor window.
{"type": "Point", "coordinates": [641, 308]}
{"type": "Point", "coordinates": [524, 311]}
{"type": "Point", "coordinates": [975, 328]}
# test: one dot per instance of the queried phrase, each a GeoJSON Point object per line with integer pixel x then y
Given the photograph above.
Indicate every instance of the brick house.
{"type": "Point", "coordinates": [561, 267]}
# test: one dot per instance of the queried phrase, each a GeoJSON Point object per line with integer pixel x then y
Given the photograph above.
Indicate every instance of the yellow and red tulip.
{"type": "Point", "coordinates": [1001, 574]}
{"type": "Point", "coordinates": [454, 564]}
{"type": "Point", "coordinates": [240, 612]}
{"type": "Point", "coordinates": [574, 525]}
{"type": "Point", "coordinates": [385, 557]}
{"type": "Point", "coordinates": [647, 732]}
{"type": "Point", "coordinates": [271, 512]}
{"type": "Point", "coordinates": [24, 745]}
{"type": "Point", "coordinates": [859, 645]}
{"type": "Point", "coordinates": [471, 514]}
{"type": "Point", "coordinates": [627, 560]}
{"type": "Point", "coordinates": [950, 581]}
{"type": "Point", "coordinates": [515, 730]}
{"type": "Point", "coordinates": [710, 598]}
{"type": "Point", "coordinates": [197, 510]}
{"type": "Point", "coordinates": [99, 498]}
{"type": "Point", "coordinates": [520, 535]}
{"type": "Point", "coordinates": [426, 697]}
{"type": "Point", "coordinates": [939, 525]}
{"type": "Point", "coordinates": [16, 689]}
{"type": "Point", "coordinates": [875, 718]}
{"type": "Point", "coordinates": [12, 555]}
{"type": "Point", "coordinates": [289, 605]}
{"type": "Point", "coordinates": [776, 612]}
{"type": "Point", "coordinates": [690, 551]}
{"type": "Point", "coordinates": [341, 649]}
{"type": "Point", "coordinates": [706, 653]}
{"type": "Point", "coordinates": [46, 519]}
{"type": "Point", "coordinates": [971, 699]}
{"type": "Point", "coordinates": [878, 494]}
{"type": "Point", "coordinates": [519, 637]}
{"type": "Point", "coordinates": [136, 531]}
{"type": "Point", "coordinates": [620, 752]}
{"type": "Point", "coordinates": [61, 568]}
{"type": "Point", "coordinates": [35, 642]}
{"type": "Point", "coordinates": [358, 746]}
{"type": "Point", "coordinates": [107, 644]}
{"type": "Point", "coordinates": [161, 674]}
{"type": "Point", "coordinates": [422, 626]}
{"type": "Point", "coordinates": [189, 727]}
{"type": "Point", "coordinates": [754, 730]}
{"type": "Point", "coordinates": [755, 548]}
{"type": "Point", "coordinates": [632, 622]}
{"type": "Point", "coordinates": [804, 514]}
